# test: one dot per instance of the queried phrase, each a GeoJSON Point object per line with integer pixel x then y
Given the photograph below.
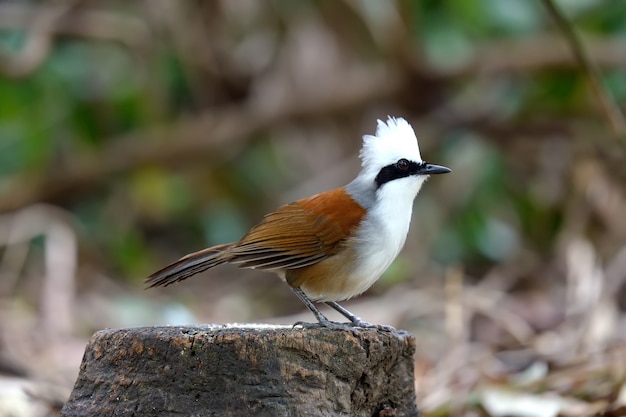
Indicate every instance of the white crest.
{"type": "Point", "coordinates": [393, 140]}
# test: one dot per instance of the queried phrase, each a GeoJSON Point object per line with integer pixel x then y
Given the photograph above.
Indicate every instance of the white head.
{"type": "Point", "coordinates": [393, 141]}
{"type": "Point", "coordinates": [391, 164]}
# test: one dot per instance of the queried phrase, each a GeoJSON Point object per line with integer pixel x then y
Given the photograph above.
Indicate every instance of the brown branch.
{"type": "Point", "coordinates": [37, 45]}
{"type": "Point", "coordinates": [609, 107]}
{"type": "Point", "coordinates": [504, 56]}
{"type": "Point", "coordinates": [213, 135]}
{"type": "Point", "coordinates": [523, 55]}
{"type": "Point", "coordinates": [43, 23]}
{"type": "Point", "coordinates": [218, 133]}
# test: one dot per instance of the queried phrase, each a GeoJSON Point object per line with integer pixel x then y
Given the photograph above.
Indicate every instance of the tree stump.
{"type": "Point", "coordinates": [251, 370]}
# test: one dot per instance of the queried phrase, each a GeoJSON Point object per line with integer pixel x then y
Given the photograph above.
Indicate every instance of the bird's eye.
{"type": "Point", "coordinates": [403, 164]}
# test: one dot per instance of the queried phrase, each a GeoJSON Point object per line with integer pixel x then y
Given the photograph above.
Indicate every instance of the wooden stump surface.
{"type": "Point", "coordinates": [250, 370]}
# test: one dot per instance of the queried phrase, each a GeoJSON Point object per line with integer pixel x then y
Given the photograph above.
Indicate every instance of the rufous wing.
{"type": "Point", "coordinates": [299, 234]}
{"type": "Point", "coordinates": [294, 236]}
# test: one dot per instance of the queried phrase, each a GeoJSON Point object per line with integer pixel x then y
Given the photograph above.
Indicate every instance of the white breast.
{"type": "Point", "coordinates": [382, 233]}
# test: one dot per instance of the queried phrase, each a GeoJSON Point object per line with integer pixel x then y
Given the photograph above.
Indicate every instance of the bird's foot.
{"type": "Point", "coordinates": [344, 325]}
{"type": "Point", "coordinates": [335, 325]}
{"type": "Point", "coordinates": [365, 325]}
{"type": "Point", "coordinates": [356, 321]}
{"type": "Point", "coordinates": [305, 325]}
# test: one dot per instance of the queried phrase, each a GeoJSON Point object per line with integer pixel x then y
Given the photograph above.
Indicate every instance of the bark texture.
{"type": "Point", "coordinates": [252, 370]}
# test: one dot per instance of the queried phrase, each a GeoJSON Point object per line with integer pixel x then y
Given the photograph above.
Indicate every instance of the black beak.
{"type": "Point", "coordinates": [432, 169]}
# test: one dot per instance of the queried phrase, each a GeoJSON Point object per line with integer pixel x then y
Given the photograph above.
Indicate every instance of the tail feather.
{"type": "Point", "coordinates": [188, 265]}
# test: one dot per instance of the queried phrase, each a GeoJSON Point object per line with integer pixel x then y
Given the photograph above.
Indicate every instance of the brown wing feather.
{"type": "Point", "coordinates": [187, 266]}
{"type": "Point", "coordinates": [299, 234]}
{"type": "Point", "coordinates": [294, 236]}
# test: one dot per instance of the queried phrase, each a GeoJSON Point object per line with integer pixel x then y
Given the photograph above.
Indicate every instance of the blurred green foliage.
{"type": "Point", "coordinates": [88, 94]}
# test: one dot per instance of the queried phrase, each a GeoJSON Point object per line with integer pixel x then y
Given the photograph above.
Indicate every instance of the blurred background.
{"type": "Point", "coordinates": [132, 133]}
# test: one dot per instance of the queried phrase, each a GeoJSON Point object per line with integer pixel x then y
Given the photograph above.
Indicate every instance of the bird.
{"type": "Point", "coordinates": [334, 245]}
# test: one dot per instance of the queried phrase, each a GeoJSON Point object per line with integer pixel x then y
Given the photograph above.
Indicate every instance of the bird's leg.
{"type": "Point", "coordinates": [323, 321]}
{"type": "Point", "coordinates": [307, 302]}
{"type": "Point", "coordinates": [355, 320]}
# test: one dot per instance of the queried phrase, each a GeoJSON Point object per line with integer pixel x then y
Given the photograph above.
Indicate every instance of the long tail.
{"type": "Point", "coordinates": [188, 265]}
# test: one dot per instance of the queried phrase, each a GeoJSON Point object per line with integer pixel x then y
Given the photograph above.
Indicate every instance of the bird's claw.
{"type": "Point", "coordinates": [305, 325]}
{"type": "Point", "coordinates": [365, 325]}
{"type": "Point", "coordinates": [344, 325]}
